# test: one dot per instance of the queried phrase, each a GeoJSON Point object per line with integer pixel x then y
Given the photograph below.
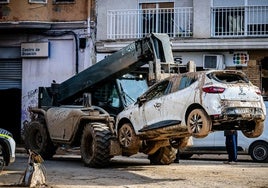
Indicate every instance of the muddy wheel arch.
{"type": "Point", "coordinates": [257, 131]}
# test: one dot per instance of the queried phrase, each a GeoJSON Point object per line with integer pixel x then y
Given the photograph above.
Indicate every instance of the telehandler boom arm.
{"type": "Point", "coordinates": [154, 48]}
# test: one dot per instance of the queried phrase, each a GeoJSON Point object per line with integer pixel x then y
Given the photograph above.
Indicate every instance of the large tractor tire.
{"type": "Point", "coordinates": [198, 123]}
{"type": "Point", "coordinates": [257, 131]}
{"type": "Point", "coordinates": [95, 145]}
{"type": "Point", "coordinates": [163, 156]}
{"type": "Point", "coordinates": [37, 139]}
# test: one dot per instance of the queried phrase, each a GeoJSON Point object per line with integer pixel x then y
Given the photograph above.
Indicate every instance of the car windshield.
{"type": "Point", "coordinates": [131, 88]}
{"type": "Point", "coordinates": [228, 77]}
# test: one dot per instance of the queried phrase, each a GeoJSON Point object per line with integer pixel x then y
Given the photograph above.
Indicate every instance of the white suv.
{"type": "Point", "coordinates": [214, 143]}
{"type": "Point", "coordinates": [191, 104]}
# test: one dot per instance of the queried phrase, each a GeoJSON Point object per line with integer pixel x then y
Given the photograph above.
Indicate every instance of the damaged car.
{"type": "Point", "coordinates": [7, 148]}
{"type": "Point", "coordinates": [193, 104]}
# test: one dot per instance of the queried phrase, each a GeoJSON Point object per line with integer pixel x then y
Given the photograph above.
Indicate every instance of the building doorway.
{"type": "Point", "coordinates": [10, 96]}
{"type": "Point", "coordinates": [264, 77]}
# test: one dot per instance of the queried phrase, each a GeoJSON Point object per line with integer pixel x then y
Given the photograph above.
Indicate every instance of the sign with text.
{"type": "Point", "coordinates": [36, 49]}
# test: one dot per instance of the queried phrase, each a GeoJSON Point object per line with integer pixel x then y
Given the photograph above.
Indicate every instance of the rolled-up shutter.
{"type": "Point", "coordinates": [10, 73]}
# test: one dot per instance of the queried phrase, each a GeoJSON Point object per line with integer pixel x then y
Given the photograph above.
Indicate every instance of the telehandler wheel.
{"type": "Point", "coordinates": [38, 140]}
{"type": "Point", "coordinates": [257, 131]}
{"type": "Point", "coordinates": [164, 156]}
{"type": "Point", "coordinates": [95, 144]}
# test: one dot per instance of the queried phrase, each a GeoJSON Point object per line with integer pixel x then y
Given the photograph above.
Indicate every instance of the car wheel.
{"type": "Point", "coordinates": [2, 157]}
{"type": "Point", "coordinates": [198, 123]}
{"type": "Point", "coordinates": [128, 139]}
{"type": "Point", "coordinates": [259, 151]}
{"type": "Point", "coordinates": [257, 131]}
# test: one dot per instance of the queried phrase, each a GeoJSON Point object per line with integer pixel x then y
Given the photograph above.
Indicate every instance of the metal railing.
{"type": "Point", "coordinates": [239, 21]}
{"type": "Point", "coordinates": [131, 24]}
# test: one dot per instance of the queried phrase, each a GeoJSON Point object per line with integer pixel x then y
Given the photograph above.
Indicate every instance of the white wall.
{"type": "Point", "coordinates": [197, 57]}
{"type": "Point", "coordinates": [39, 72]}
{"type": "Point", "coordinates": [59, 66]}
{"type": "Point", "coordinates": [201, 19]}
{"type": "Point", "coordinates": [101, 9]}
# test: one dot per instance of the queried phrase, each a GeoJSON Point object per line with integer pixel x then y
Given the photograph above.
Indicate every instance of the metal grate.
{"type": "Point", "coordinates": [240, 21]}
{"type": "Point", "coordinates": [131, 24]}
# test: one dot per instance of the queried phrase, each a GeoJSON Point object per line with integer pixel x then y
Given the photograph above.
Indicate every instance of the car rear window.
{"type": "Point", "coordinates": [227, 77]}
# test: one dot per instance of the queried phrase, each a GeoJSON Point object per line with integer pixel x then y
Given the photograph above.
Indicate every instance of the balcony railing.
{"type": "Point", "coordinates": [240, 21]}
{"type": "Point", "coordinates": [131, 24]}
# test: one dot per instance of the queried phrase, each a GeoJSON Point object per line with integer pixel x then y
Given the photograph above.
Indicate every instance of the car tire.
{"type": "Point", "coordinates": [198, 123]}
{"type": "Point", "coordinates": [36, 138]}
{"type": "Point", "coordinates": [259, 151]}
{"type": "Point", "coordinates": [256, 132]}
{"type": "Point", "coordinates": [163, 156]}
{"type": "Point", "coordinates": [128, 140]}
{"type": "Point", "coordinates": [95, 144]}
{"type": "Point", "coordinates": [4, 156]}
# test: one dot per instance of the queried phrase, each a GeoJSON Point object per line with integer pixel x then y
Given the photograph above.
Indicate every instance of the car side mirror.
{"type": "Point", "coordinates": [141, 100]}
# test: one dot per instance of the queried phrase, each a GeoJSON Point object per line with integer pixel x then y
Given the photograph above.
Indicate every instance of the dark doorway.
{"type": "Point", "coordinates": [10, 112]}
{"type": "Point", "coordinates": [264, 77]}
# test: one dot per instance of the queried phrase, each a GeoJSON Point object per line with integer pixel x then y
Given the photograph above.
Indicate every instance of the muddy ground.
{"type": "Point", "coordinates": [67, 171]}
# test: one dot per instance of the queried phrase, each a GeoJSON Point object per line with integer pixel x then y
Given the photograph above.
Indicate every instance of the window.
{"type": "Point", "coordinates": [37, 1]}
{"type": "Point", "coordinates": [229, 21]}
{"type": "Point", "coordinates": [64, 1]}
{"type": "Point", "coordinates": [185, 82]}
{"type": "Point", "coordinates": [157, 17]}
{"type": "Point", "coordinates": [4, 1]}
{"type": "Point", "coordinates": [240, 17]}
{"type": "Point", "coordinates": [158, 90]}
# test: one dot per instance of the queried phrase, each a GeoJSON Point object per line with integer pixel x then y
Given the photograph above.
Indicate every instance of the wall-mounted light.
{"type": "Point", "coordinates": [82, 43]}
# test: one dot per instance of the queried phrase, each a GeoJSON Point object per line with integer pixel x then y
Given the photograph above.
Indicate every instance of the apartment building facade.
{"type": "Point", "coordinates": [213, 33]}
{"type": "Point", "coordinates": [42, 41]}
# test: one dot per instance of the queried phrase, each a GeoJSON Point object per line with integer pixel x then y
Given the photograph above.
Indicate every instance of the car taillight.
{"type": "Point", "coordinates": [213, 89]}
{"type": "Point", "coordinates": [258, 91]}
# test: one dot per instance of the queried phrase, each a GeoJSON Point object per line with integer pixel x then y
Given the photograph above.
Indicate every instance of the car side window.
{"type": "Point", "coordinates": [185, 81]}
{"type": "Point", "coordinates": [229, 78]}
{"type": "Point", "coordinates": [158, 91]}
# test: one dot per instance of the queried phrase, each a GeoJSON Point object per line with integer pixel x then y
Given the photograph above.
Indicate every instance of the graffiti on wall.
{"type": "Point", "coordinates": [29, 100]}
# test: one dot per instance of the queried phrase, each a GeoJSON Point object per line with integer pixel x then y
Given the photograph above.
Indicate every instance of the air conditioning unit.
{"type": "Point", "coordinates": [212, 61]}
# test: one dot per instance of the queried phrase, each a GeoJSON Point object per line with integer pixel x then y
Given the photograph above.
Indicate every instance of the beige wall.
{"type": "Point", "coordinates": [21, 10]}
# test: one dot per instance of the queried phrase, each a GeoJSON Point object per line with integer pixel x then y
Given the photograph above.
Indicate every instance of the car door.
{"type": "Point", "coordinates": [181, 96]}
{"type": "Point", "coordinates": [151, 109]}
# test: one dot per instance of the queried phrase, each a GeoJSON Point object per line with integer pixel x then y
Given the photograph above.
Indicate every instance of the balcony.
{"type": "Point", "coordinates": [132, 24]}
{"type": "Point", "coordinates": [245, 21]}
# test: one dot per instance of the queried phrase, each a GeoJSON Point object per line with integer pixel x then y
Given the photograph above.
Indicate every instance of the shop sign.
{"type": "Point", "coordinates": [37, 49]}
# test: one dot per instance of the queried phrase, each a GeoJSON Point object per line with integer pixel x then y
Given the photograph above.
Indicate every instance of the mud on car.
{"type": "Point", "coordinates": [7, 148]}
{"type": "Point", "coordinates": [214, 143]}
{"type": "Point", "coordinates": [191, 104]}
